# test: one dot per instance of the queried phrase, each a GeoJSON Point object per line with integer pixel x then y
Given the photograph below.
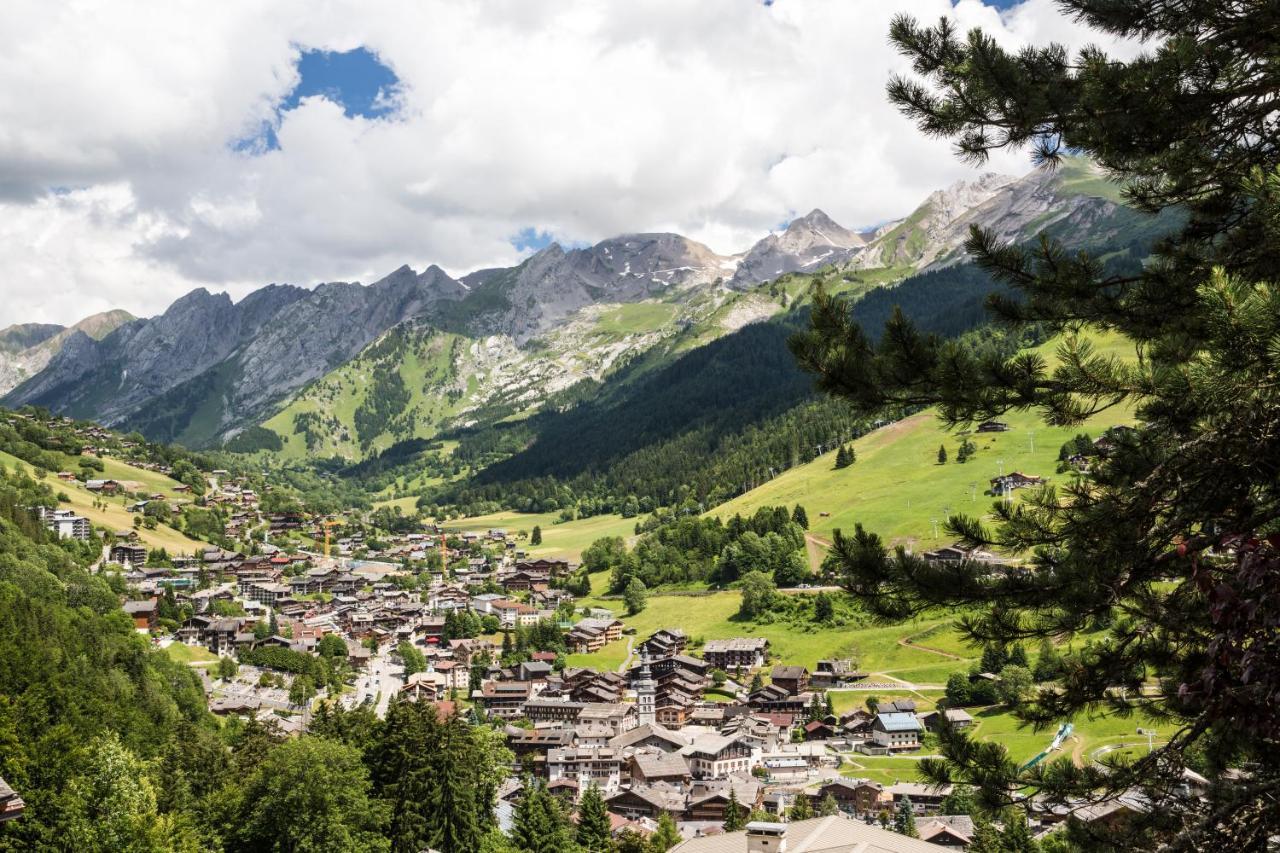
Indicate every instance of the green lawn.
{"type": "Point", "coordinates": [1022, 743]}
{"type": "Point", "coordinates": [710, 615]}
{"type": "Point", "coordinates": [183, 653]}
{"type": "Point", "coordinates": [564, 539]}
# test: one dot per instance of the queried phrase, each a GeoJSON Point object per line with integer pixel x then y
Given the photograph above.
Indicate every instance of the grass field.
{"type": "Point", "coordinates": [635, 318]}
{"type": "Point", "coordinates": [897, 489]}
{"type": "Point", "coordinates": [182, 653]}
{"type": "Point", "coordinates": [711, 616]}
{"type": "Point", "coordinates": [563, 539]}
{"type": "Point", "coordinates": [115, 516]}
{"type": "Point", "coordinates": [1023, 743]}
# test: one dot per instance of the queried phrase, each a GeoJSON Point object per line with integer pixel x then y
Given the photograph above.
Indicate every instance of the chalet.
{"type": "Point", "coordinates": [717, 756]}
{"type": "Point", "coordinates": [524, 582]}
{"type": "Point", "coordinates": [619, 717]}
{"type": "Point", "coordinates": [896, 730]}
{"type": "Point", "coordinates": [103, 487]}
{"type": "Point", "coordinates": [536, 743]}
{"type": "Point", "coordinates": [906, 706]}
{"type": "Point", "coordinates": [649, 800]}
{"type": "Point", "coordinates": [993, 426]}
{"type": "Point", "coordinates": [601, 765]}
{"type": "Point", "coordinates": [729, 655]}
{"type": "Point", "coordinates": [134, 555]}
{"type": "Point", "coordinates": [925, 799]}
{"type": "Point", "coordinates": [591, 635]}
{"type": "Point", "coordinates": [835, 673]}
{"type": "Point", "coordinates": [649, 767]}
{"type": "Point", "coordinates": [709, 798]}
{"type": "Point", "coordinates": [793, 679]}
{"type": "Point", "coordinates": [954, 831]}
{"type": "Point", "coordinates": [423, 686]}
{"type": "Point", "coordinates": [821, 729]}
{"type": "Point", "coordinates": [533, 671]}
{"type": "Point", "coordinates": [1006, 483]}
{"type": "Point", "coordinates": [957, 717]}
{"type": "Point", "coordinates": [547, 568]}
{"type": "Point", "coordinates": [650, 737]}
{"type": "Point", "coordinates": [826, 834]}
{"type": "Point", "coordinates": [11, 805]}
{"type": "Point", "coordinates": [852, 796]}
{"type": "Point", "coordinates": [774, 697]}
{"type": "Point", "coordinates": [504, 699]}
{"type": "Point", "coordinates": [665, 643]}
{"type": "Point", "coordinates": [143, 613]}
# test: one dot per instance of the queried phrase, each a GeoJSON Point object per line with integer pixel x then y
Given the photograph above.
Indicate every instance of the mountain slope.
{"type": "Point", "coordinates": [897, 489]}
{"type": "Point", "coordinates": [207, 369]}
{"type": "Point", "coordinates": [807, 243]}
{"type": "Point", "coordinates": [27, 349]}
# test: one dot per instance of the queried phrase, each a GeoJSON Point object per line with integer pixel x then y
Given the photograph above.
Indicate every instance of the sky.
{"type": "Point", "coordinates": [148, 149]}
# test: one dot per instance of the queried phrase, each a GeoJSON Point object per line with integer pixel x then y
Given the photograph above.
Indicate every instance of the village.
{"type": "Point", "coordinates": [300, 612]}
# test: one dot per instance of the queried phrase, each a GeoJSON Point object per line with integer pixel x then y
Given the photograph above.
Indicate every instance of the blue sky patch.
{"type": "Point", "coordinates": [356, 80]}
{"type": "Point", "coordinates": [530, 239]}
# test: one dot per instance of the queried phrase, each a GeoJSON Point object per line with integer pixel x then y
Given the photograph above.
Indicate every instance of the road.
{"type": "Point", "coordinates": [380, 681]}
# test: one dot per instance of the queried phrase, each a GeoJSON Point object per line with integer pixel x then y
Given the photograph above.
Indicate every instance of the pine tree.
{"type": "Point", "coordinates": [942, 454]}
{"type": "Point", "coordinates": [904, 820]}
{"type": "Point", "coordinates": [843, 459]}
{"type": "Point", "coordinates": [1048, 662]}
{"type": "Point", "coordinates": [1018, 656]}
{"type": "Point", "coordinates": [535, 538]}
{"type": "Point", "coordinates": [733, 820]}
{"type": "Point", "coordinates": [666, 836]}
{"type": "Point", "coordinates": [800, 517]}
{"type": "Point", "coordinates": [1180, 129]}
{"type": "Point", "coordinates": [593, 821]}
{"type": "Point", "coordinates": [828, 807]}
{"type": "Point", "coordinates": [801, 809]}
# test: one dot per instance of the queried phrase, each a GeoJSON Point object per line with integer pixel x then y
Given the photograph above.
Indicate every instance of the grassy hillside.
{"type": "Point", "coordinates": [897, 488]}
{"type": "Point", "coordinates": [114, 516]}
{"type": "Point", "coordinates": [563, 539]}
{"type": "Point", "coordinates": [340, 414]}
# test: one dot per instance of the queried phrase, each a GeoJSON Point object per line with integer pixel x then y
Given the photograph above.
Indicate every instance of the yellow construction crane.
{"type": "Point", "coordinates": [328, 526]}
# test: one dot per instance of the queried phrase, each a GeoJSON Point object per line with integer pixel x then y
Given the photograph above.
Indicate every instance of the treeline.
{"type": "Point", "coordinates": [677, 547]}
{"type": "Point", "coordinates": [714, 423]}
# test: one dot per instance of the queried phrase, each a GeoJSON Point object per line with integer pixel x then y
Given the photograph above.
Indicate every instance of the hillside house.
{"type": "Point", "coordinates": [896, 730]}
{"type": "Point", "coordinates": [143, 614]}
{"type": "Point", "coordinates": [11, 805]}
{"type": "Point", "coordinates": [729, 655]}
{"type": "Point", "coordinates": [793, 679]}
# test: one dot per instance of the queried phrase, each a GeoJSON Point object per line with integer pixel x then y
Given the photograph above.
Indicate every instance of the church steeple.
{"type": "Point", "coordinates": [646, 691]}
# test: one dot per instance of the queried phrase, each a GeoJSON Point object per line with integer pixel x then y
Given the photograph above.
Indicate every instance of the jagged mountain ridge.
{"type": "Point", "coordinates": [807, 243]}
{"type": "Point", "coordinates": [206, 368]}
{"type": "Point", "coordinates": [26, 349]}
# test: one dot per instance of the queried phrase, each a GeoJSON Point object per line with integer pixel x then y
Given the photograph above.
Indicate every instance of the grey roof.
{"type": "Point", "coordinates": [835, 834]}
{"type": "Point", "coordinates": [898, 721]}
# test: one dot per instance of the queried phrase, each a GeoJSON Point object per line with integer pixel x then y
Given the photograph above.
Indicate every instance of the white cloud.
{"type": "Point", "coordinates": [717, 119]}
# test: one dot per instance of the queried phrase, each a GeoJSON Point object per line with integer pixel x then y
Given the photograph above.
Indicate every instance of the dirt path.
{"type": "Point", "coordinates": [1077, 751]}
{"type": "Point", "coordinates": [626, 662]}
{"type": "Point", "coordinates": [906, 641]}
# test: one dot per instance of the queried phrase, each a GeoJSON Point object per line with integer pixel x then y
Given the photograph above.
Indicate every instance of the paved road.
{"type": "Point", "coordinates": [380, 681]}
